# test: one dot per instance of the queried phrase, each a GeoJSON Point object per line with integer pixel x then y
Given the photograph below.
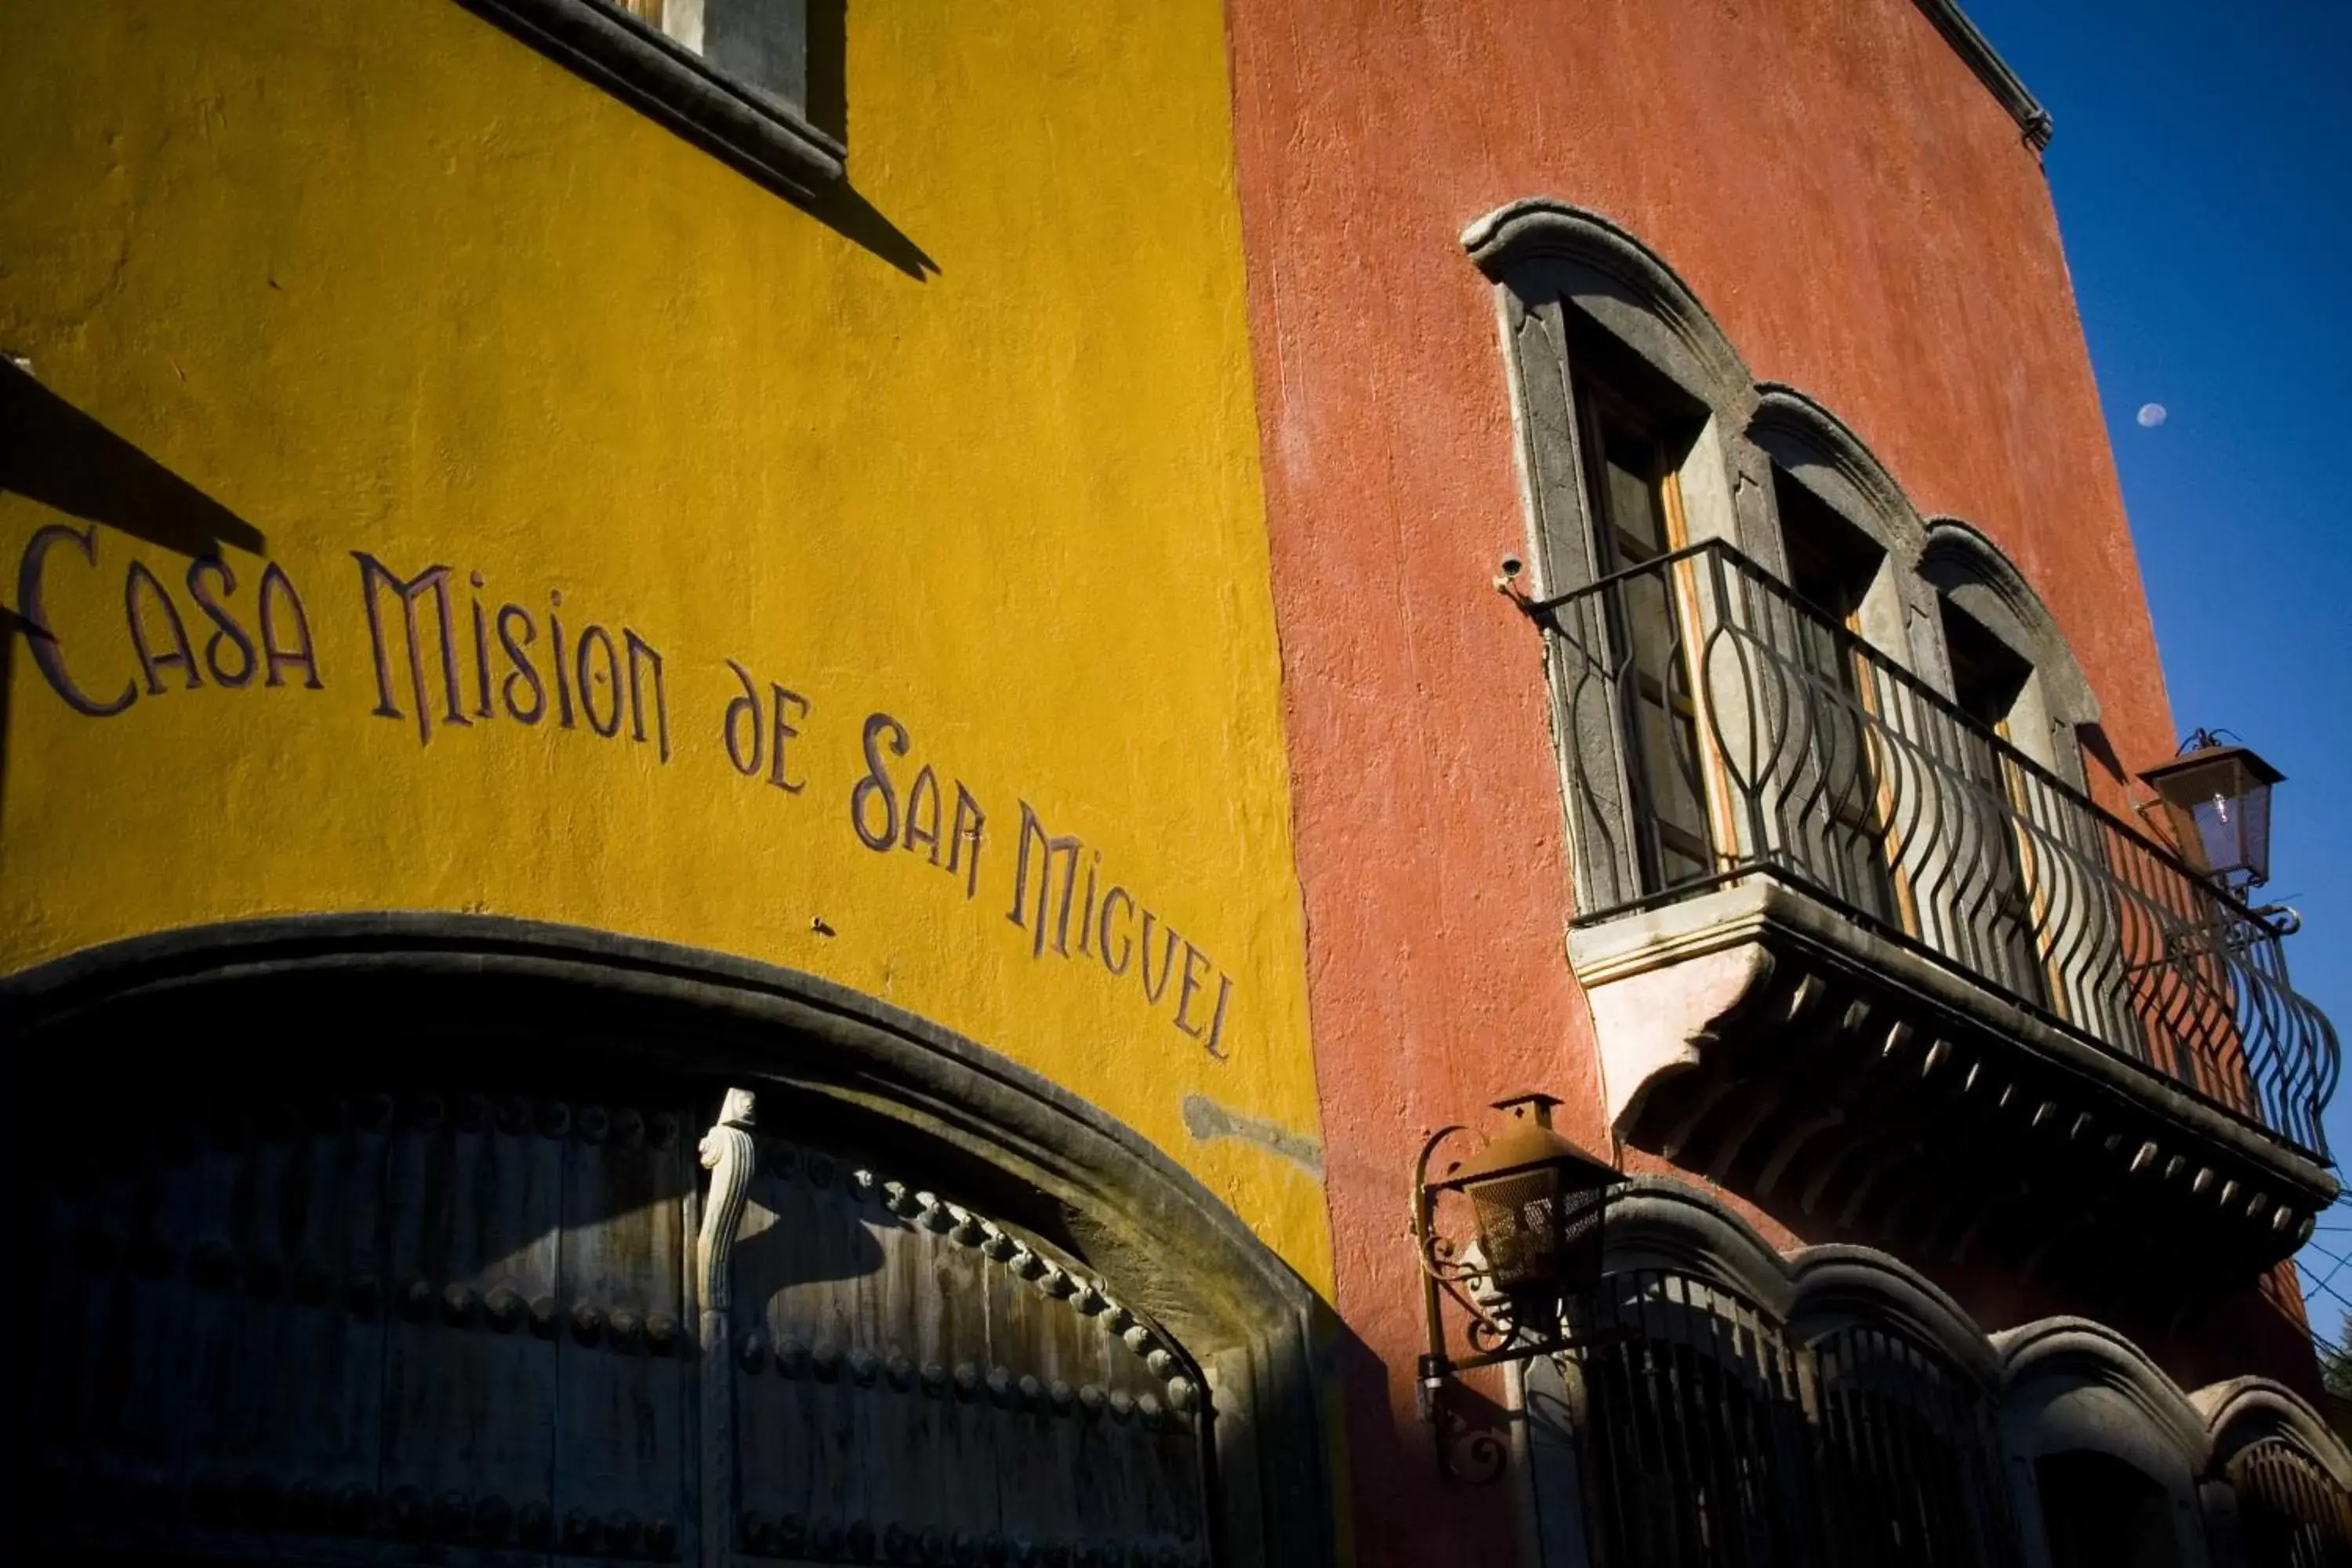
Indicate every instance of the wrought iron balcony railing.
{"type": "Point", "coordinates": [1717, 727]}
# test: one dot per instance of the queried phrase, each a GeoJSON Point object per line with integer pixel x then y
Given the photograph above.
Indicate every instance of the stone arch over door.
{"type": "Point", "coordinates": [917, 1250]}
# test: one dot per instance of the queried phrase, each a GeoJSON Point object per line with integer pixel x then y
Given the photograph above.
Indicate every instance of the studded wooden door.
{"type": "Point", "coordinates": [374, 1327]}
{"type": "Point", "coordinates": [467, 1328]}
{"type": "Point", "coordinates": [910, 1382]}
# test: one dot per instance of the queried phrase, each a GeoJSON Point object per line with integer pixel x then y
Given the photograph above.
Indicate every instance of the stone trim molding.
{"type": "Point", "coordinates": [760, 135]}
{"type": "Point", "coordinates": [1960, 563]}
{"type": "Point", "coordinates": [1798, 432]}
{"type": "Point", "coordinates": [2248, 1410]}
{"type": "Point", "coordinates": [1972, 46]}
{"type": "Point", "coordinates": [1957, 558]}
{"type": "Point", "coordinates": [1660, 1223]}
{"type": "Point", "coordinates": [1540, 245]}
{"type": "Point", "coordinates": [1044, 1157]}
{"type": "Point", "coordinates": [2045, 1360]}
{"type": "Point", "coordinates": [2073, 1385]}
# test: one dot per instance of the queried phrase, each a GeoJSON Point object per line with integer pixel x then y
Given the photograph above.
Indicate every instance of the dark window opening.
{"type": "Point", "coordinates": [1636, 429]}
{"type": "Point", "coordinates": [1988, 675]}
{"type": "Point", "coordinates": [2100, 1512]}
{"type": "Point", "coordinates": [1832, 566]}
{"type": "Point", "coordinates": [1988, 678]}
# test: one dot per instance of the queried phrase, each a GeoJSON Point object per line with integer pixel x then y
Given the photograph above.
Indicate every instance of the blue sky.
{"type": "Point", "coordinates": [2202, 168]}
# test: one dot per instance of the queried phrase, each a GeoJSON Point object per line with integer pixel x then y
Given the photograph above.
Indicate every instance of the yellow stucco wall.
{"type": "Point", "coordinates": [377, 278]}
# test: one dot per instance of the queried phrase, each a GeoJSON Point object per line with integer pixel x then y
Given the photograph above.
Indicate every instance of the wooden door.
{"type": "Point", "coordinates": [470, 1328]}
{"type": "Point", "coordinates": [374, 1327]}
{"type": "Point", "coordinates": [912, 1381]}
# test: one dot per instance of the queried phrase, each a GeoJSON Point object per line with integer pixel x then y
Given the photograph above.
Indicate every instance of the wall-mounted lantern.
{"type": "Point", "coordinates": [2217, 799]}
{"type": "Point", "coordinates": [1537, 1203]}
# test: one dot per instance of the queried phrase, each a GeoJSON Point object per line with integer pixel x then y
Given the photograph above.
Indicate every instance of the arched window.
{"type": "Point", "coordinates": [1847, 538]}
{"type": "Point", "coordinates": [1737, 1408]}
{"type": "Point", "coordinates": [1693, 1431]}
{"type": "Point", "coordinates": [2291, 1512]}
{"type": "Point", "coordinates": [1906, 1468]}
{"type": "Point", "coordinates": [2105, 1453]}
{"type": "Point", "coordinates": [2289, 1474]}
{"type": "Point", "coordinates": [2067, 908]}
{"type": "Point", "coordinates": [2014, 671]}
{"type": "Point", "coordinates": [1627, 398]}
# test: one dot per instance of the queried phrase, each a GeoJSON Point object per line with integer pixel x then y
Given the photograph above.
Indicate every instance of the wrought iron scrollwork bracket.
{"type": "Point", "coordinates": [1469, 1449]}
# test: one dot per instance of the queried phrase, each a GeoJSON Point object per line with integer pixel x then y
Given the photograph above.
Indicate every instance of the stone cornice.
{"type": "Point", "coordinates": [1990, 68]}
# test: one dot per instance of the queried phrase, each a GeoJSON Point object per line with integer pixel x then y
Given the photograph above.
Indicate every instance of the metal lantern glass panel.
{"type": "Point", "coordinates": [2218, 799]}
{"type": "Point", "coordinates": [1538, 1201]}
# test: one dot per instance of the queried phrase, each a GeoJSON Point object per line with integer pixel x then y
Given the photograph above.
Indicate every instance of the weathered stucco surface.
{"type": "Point", "coordinates": [380, 278]}
{"type": "Point", "coordinates": [1865, 221]}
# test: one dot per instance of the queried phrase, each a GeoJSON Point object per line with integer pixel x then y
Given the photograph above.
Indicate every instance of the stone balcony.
{"type": "Point", "coordinates": [1882, 973]}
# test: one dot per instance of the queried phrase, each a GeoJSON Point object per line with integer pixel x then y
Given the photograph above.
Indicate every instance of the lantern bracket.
{"type": "Point", "coordinates": [1470, 1444]}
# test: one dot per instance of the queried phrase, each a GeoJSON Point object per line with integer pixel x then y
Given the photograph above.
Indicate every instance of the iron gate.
{"type": "Point", "coordinates": [1710, 1438]}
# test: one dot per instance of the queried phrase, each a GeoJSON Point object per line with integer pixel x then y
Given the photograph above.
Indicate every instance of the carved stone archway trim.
{"type": "Point", "coordinates": [1662, 1223]}
{"type": "Point", "coordinates": [1539, 243]}
{"type": "Point", "coordinates": [2248, 1410]}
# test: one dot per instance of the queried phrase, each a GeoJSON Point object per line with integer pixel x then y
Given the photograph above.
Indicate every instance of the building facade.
{"type": "Point", "coordinates": [765, 761]}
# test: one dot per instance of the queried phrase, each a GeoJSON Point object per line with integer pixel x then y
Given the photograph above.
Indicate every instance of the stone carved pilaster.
{"type": "Point", "coordinates": [728, 1154]}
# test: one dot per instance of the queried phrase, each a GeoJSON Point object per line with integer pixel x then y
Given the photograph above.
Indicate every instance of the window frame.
{"type": "Point", "coordinates": [1616, 295]}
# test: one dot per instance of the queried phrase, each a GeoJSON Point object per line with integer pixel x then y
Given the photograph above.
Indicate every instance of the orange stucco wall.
{"type": "Point", "coordinates": [1865, 221]}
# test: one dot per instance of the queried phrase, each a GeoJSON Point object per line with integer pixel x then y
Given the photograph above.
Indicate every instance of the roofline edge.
{"type": "Point", "coordinates": [1991, 70]}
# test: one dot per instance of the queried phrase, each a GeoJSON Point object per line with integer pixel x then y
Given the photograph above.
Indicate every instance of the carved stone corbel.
{"type": "Point", "coordinates": [1653, 1023]}
{"type": "Point", "coordinates": [728, 1154]}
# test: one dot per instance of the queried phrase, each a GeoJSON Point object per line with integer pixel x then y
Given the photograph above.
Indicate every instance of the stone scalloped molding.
{"type": "Point", "coordinates": [1813, 426]}
{"type": "Point", "coordinates": [2244, 1410]}
{"type": "Point", "coordinates": [1662, 1223]}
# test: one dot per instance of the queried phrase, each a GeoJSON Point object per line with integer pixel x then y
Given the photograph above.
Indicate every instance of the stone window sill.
{"type": "Point", "coordinates": [762, 136]}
